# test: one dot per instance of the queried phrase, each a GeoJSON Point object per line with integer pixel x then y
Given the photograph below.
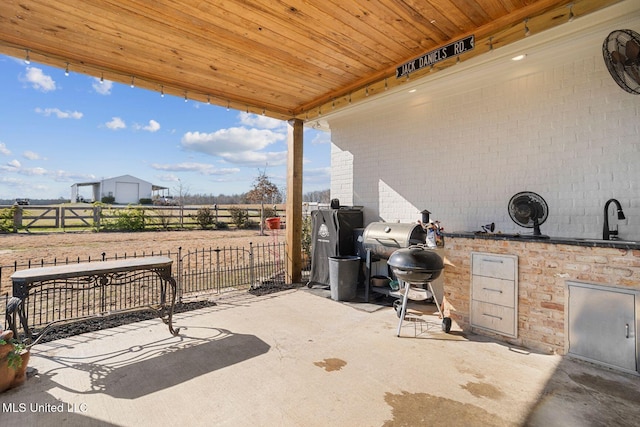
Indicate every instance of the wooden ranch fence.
{"type": "Point", "coordinates": [156, 217]}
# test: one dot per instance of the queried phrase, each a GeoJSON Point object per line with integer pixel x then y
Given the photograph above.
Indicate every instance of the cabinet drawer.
{"type": "Point", "coordinates": [494, 291]}
{"type": "Point", "coordinates": [493, 317]}
{"type": "Point", "coordinates": [490, 265]}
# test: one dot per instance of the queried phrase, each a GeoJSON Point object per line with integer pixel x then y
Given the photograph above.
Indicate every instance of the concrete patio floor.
{"type": "Point", "coordinates": [294, 358]}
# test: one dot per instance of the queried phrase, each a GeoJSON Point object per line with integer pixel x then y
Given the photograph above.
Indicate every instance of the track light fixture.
{"type": "Point", "coordinates": [366, 91]}
{"type": "Point", "coordinates": [161, 91]}
{"type": "Point", "coordinates": [228, 105]}
{"type": "Point", "coordinates": [490, 44]}
{"type": "Point", "coordinates": [386, 84]}
{"type": "Point", "coordinates": [27, 60]}
{"type": "Point", "coordinates": [185, 96]}
{"type": "Point", "coordinates": [66, 70]}
{"type": "Point", "coordinates": [208, 99]}
{"type": "Point", "coordinates": [132, 82]}
{"type": "Point", "coordinates": [101, 78]}
{"type": "Point", "coordinates": [527, 31]}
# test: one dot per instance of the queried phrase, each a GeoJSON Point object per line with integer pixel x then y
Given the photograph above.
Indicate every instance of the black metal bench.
{"type": "Point", "coordinates": [73, 292]}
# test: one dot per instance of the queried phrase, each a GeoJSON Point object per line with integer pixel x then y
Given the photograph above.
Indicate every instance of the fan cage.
{"type": "Point", "coordinates": [617, 41]}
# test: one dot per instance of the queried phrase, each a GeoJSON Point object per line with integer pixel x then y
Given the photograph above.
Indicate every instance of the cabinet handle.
{"type": "Point", "coordinates": [492, 260]}
{"type": "Point", "coordinates": [491, 315]}
{"type": "Point", "coordinates": [492, 290]}
{"type": "Point", "coordinates": [627, 328]}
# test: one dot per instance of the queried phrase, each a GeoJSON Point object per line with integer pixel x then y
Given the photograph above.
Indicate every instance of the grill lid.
{"type": "Point", "coordinates": [416, 264]}
{"type": "Point", "coordinates": [383, 238]}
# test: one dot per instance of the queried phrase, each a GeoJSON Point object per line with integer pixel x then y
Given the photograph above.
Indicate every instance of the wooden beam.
{"type": "Point", "coordinates": [294, 201]}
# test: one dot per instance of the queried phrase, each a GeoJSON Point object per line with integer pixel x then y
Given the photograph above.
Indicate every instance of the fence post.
{"type": "Point", "coordinates": [17, 218]}
{"type": "Point", "coordinates": [252, 273]}
{"type": "Point", "coordinates": [97, 210]}
{"type": "Point", "coordinates": [217, 250]}
{"type": "Point", "coordinates": [179, 274]}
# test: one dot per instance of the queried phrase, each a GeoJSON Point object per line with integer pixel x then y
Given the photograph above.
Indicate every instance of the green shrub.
{"type": "Point", "coordinates": [205, 218]}
{"type": "Point", "coordinates": [239, 217]}
{"type": "Point", "coordinates": [164, 217]}
{"type": "Point", "coordinates": [109, 200]}
{"type": "Point", "coordinates": [306, 234]}
{"type": "Point", "coordinates": [128, 219]}
{"type": "Point", "coordinates": [6, 219]}
{"type": "Point", "coordinates": [221, 225]}
{"type": "Point", "coordinates": [146, 201]}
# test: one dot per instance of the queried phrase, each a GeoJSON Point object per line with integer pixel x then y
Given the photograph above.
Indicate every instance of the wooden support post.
{"type": "Point", "coordinates": [294, 201]}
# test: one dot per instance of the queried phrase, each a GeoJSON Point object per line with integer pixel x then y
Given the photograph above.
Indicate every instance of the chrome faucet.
{"type": "Point", "coordinates": [606, 233]}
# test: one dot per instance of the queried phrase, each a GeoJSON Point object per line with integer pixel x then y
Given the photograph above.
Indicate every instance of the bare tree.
{"type": "Point", "coordinates": [183, 192]}
{"type": "Point", "coordinates": [263, 191]}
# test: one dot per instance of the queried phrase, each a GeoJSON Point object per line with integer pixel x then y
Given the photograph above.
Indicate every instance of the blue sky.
{"type": "Point", "coordinates": [57, 130]}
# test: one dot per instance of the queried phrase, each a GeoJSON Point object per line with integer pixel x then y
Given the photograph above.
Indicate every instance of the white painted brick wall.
{"type": "Point", "coordinates": [562, 129]}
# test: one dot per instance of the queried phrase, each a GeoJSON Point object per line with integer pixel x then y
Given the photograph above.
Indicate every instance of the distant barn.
{"type": "Point", "coordinates": [124, 189]}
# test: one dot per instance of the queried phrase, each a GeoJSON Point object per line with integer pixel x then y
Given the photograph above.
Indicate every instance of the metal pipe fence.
{"type": "Point", "coordinates": [200, 272]}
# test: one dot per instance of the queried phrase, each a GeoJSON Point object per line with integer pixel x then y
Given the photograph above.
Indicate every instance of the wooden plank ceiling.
{"type": "Point", "coordinates": [282, 58]}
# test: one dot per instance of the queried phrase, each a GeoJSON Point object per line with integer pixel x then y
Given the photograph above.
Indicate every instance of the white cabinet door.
{"type": "Point", "coordinates": [602, 325]}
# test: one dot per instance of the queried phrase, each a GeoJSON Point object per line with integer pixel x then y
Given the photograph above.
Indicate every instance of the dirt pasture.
{"type": "Point", "coordinates": [23, 247]}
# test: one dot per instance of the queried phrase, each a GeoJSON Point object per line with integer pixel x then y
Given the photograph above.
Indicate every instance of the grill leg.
{"type": "Point", "coordinates": [403, 311]}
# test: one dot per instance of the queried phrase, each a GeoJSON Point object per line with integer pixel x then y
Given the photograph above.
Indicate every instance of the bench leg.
{"type": "Point", "coordinates": [15, 310]}
{"type": "Point", "coordinates": [169, 310]}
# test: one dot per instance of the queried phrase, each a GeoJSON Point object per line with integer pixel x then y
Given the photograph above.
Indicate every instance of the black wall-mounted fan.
{"type": "Point", "coordinates": [529, 210]}
{"type": "Point", "coordinates": [621, 52]}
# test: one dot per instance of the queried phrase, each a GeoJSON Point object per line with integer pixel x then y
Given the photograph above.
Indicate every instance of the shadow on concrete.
{"type": "Point", "coordinates": [580, 393]}
{"type": "Point", "coordinates": [143, 369]}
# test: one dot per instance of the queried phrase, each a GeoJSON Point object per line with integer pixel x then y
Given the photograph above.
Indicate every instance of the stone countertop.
{"type": "Point", "coordinates": [587, 242]}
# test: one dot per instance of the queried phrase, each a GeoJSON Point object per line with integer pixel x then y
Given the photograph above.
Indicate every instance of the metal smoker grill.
{"type": "Point", "coordinates": [381, 239]}
{"type": "Point", "coordinates": [404, 247]}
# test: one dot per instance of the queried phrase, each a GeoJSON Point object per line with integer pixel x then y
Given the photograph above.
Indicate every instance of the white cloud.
{"type": "Point", "coordinates": [103, 87]}
{"type": "Point", "coordinates": [31, 155]}
{"type": "Point", "coordinates": [64, 176]}
{"type": "Point", "coordinates": [38, 80]}
{"type": "Point", "coordinates": [260, 122]}
{"type": "Point", "coordinates": [59, 113]}
{"type": "Point", "coordinates": [116, 123]}
{"type": "Point", "coordinates": [203, 168]}
{"type": "Point", "coordinates": [32, 171]}
{"type": "Point", "coordinates": [321, 175]}
{"type": "Point", "coordinates": [16, 167]}
{"type": "Point", "coordinates": [153, 126]}
{"type": "Point", "coordinates": [321, 138]}
{"type": "Point", "coordinates": [256, 158]}
{"type": "Point", "coordinates": [4, 150]}
{"type": "Point", "coordinates": [231, 140]}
